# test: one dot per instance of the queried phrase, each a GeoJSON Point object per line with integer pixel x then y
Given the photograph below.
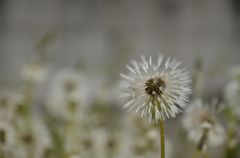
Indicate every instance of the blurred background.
{"type": "Point", "coordinates": [97, 32]}
{"type": "Point", "coordinates": [101, 36]}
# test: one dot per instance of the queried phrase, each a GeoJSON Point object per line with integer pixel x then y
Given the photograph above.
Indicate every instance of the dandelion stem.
{"type": "Point", "coordinates": [26, 111]}
{"type": "Point", "coordinates": [2, 154]}
{"type": "Point", "coordinates": [207, 149]}
{"type": "Point", "coordinates": [202, 141]}
{"type": "Point", "coordinates": [196, 155]}
{"type": "Point", "coordinates": [162, 138]}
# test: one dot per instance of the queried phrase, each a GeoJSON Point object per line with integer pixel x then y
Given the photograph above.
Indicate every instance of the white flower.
{"type": "Point", "coordinates": [232, 95]}
{"type": "Point", "coordinates": [199, 118]}
{"type": "Point", "coordinates": [67, 94]}
{"type": "Point", "coordinates": [159, 90]}
{"type": "Point", "coordinates": [32, 139]}
{"type": "Point", "coordinates": [35, 70]}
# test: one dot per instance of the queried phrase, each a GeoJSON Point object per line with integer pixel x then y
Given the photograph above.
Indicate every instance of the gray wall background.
{"type": "Point", "coordinates": [97, 31]}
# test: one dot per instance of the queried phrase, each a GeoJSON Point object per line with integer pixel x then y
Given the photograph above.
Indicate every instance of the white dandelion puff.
{"type": "Point", "coordinates": [157, 90]}
{"type": "Point", "coordinates": [199, 118]}
{"type": "Point", "coordinates": [32, 139]}
{"type": "Point", "coordinates": [67, 94]}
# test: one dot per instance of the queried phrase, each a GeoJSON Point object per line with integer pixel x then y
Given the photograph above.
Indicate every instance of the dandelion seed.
{"type": "Point", "coordinates": [158, 90]}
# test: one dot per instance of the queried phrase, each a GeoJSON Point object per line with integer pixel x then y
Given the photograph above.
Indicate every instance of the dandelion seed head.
{"type": "Point", "coordinates": [69, 84]}
{"type": "Point", "coordinates": [200, 117]}
{"type": "Point", "coordinates": [155, 86]}
{"type": "Point", "coordinates": [67, 94]}
{"type": "Point", "coordinates": [31, 136]}
{"type": "Point", "coordinates": [155, 89]}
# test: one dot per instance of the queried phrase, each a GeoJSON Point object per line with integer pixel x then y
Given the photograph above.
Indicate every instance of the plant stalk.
{"type": "Point", "coordinates": [197, 153]}
{"type": "Point", "coordinates": [162, 138]}
{"type": "Point", "coordinates": [206, 155]}
{"type": "Point", "coordinates": [201, 144]}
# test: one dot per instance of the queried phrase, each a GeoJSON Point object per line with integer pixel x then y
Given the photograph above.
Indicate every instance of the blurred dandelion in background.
{"type": "Point", "coordinates": [67, 94]}
{"type": "Point", "coordinates": [32, 138]}
{"type": "Point", "coordinates": [202, 125]}
{"type": "Point", "coordinates": [232, 111]}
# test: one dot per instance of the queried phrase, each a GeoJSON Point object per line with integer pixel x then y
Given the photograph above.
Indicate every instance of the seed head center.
{"type": "Point", "coordinates": [28, 139]}
{"type": "Point", "coordinates": [69, 85]}
{"type": "Point", "coordinates": [155, 86]}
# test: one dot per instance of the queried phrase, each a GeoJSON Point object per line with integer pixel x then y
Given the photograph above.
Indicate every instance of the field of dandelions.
{"type": "Point", "coordinates": [117, 116]}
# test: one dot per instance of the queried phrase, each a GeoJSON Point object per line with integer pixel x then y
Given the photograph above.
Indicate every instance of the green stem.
{"type": "Point", "coordinates": [162, 138]}
{"type": "Point", "coordinates": [201, 143]}
{"type": "Point", "coordinates": [25, 111]}
{"type": "Point", "coordinates": [202, 140]}
{"type": "Point", "coordinates": [71, 124]}
{"type": "Point", "coordinates": [2, 155]}
{"type": "Point", "coordinates": [206, 155]}
{"type": "Point", "coordinates": [197, 153]}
